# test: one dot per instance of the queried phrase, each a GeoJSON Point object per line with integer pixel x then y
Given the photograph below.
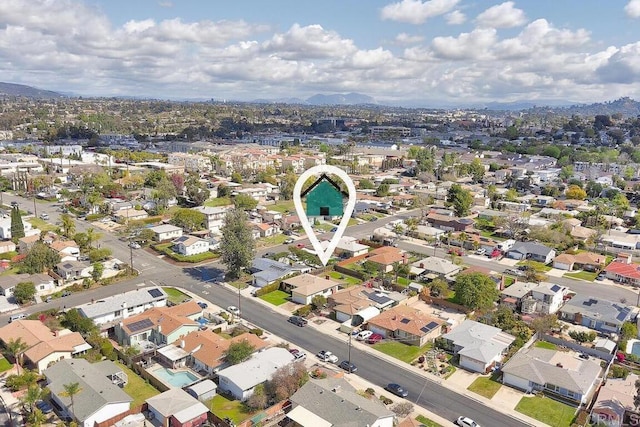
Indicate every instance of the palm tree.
{"type": "Point", "coordinates": [33, 394]}
{"type": "Point", "coordinates": [71, 390]}
{"type": "Point", "coordinates": [68, 225]}
{"type": "Point", "coordinates": [92, 236]}
{"type": "Point", "coordinates": [36, 418]}
{"type": "Point", "coordinates": [16, 347]}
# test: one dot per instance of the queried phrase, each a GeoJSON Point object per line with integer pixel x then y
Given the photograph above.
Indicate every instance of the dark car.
{"type": "Point", "coordinates": [298, 321]}
{"type": "Point", "coordinates": [44, 407]}
{"type": "Point", "coordinates": [348, 366]}
{"type": "Point", "coordinates": [374, 338]}
{"type": "Point", "coordinates": [203, 305]}
{"type": "Point", "coordinates": [397, 390]}
{"type": "Point", "coordinates": [66, 293]}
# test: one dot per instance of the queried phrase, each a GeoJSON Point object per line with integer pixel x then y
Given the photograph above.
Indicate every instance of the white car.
{"type": "Point", "coordinates": [135, 245]}
{"type": "Point", "coordinates": [362, 336]}
{"type": "Point", "coordinates": [466, 422]}
{"type": "Point", "coordinates": [481, 251]}
{"type": "Point", "coordinates": [327, 356]}
{"type": "Point", "coordinates": [233, 310]}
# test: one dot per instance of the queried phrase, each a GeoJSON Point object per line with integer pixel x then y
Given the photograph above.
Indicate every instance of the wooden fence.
{"type": "Point", "coordinates": [111, 421]}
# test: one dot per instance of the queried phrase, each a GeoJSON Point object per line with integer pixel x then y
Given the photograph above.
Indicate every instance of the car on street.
{"type": "Point", "coordinates": [298, 321]}
{"type": "Point", "coordinates": [362, 336]}
{"type": "Point", "coordinates": [66, 293]}
{"type": "Point", "coordinates": [374, 338]}
{"type": "Point", "coordinates": [466, 422]}
{"type": "Point", "coordinates": [327, 356]}
{"type": "Point", "coordinates": [454, 251]}
{"type": "Point", "coordinates": [481, 251]}
{"type": "Point", "coordinates": [601, 276]}
{"type": "Point", "coordinates": [396, 389]}
{"type": "Point", "coordinates": [233, 310]}
{"type": "Point", "coordinates": [44, 407]}
{"type": "Point", "coordinates": [135, 245]}
{"type": "Point", "coordinates": [512, 272]}
{"type": "Point", "coordinates": [298, 354]}
{"type": "Point", "coordinates": [348, 366]}
{"type": "Point", "coordinates": [44, 216]}
{"type": "Point", "coordinates": [203, 305]}
{"type": "Point", "coordinates": [289, 241]}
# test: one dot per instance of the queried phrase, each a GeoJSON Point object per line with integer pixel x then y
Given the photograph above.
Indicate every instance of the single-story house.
{"type": "Point", "coordinates": [7, 246]}
{"type": "Point", "coordinates": [597, 314]}
{"type": "Point", "coordinates": [558, 373]}
{"type": "Point", "coordinates": [43, 346]}
{"type": "Point", "coordinates": [350, 301]}
{"type": "Point", "coordinates": [42, 282]}
{"type": "Point", "coordinates": [73, 270]}
{"type": "Point", "coordinates": [101, 396]}
{"type": "Point", "coordinates": [479, 346]}
{"type": "Point", "coordinates": [26, 243]}
{"type": "Point", "coordinates": [190, 245]}
{"type": "Point", "coordinates": [335, 402]}
{"type": "Point", "coordinates": [130, 214]}
{"type": "Point", "coordinates": [266, 271]}
{"type": "Point", "coordinates": [408, 325]}
{"type": "Point", "coordinates": [240, 380]}
{"type": "Point", "coordinates": [306, 286]}
{"type": "Point", "coordinates": [588, 261]}
{"type": "Point", "coordinates": [533, 251]}
{"type": "Point", "coordinates": [623, 272]}
{"type": "Point", "coordinates": [615, 401]}
{"type": "Point", "coordinates": [166, 232]}
{"type": "Point", "coordinates": [177, 408]}
{"type": "Point", "coordinates": [68, 249]}
{"type": "Point", "coordinates": [435, 265]}
{"type": "Point", "coordinates": [349, 247]}
{"type": "Point", "coordinates": [386, 256]}
{"type": "Point", "coordinates": [266, 229]}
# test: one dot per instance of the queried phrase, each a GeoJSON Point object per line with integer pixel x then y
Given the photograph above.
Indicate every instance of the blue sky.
{"type": "Point", "coordinates": [411, 52]}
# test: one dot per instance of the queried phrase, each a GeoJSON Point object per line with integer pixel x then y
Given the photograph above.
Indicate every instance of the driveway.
{"type": "Point", "coordinates": [461, 379]}
{"type": "Point", "coordinates": [507, 397]}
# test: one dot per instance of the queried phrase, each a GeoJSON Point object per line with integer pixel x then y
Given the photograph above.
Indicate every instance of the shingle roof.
{"type": "Point", "coordinates": [258, 369]}
{"type": "Point", "coordinates": [479, 341]}
{"type": "Point", "coordinates": [134, 298]}
{"type": "Point", "coordinates": [406, 319]}
{"type": "Point", "coordinates": [602, 310]}
{"type": "Point", "coordinates": [308, 284]}
{"type": "Point", "coordinates": [531, 248]}
{"type": "Point", "coordinates": [544, 366]}
{"type": "Point", "coordinates": [177, 401]}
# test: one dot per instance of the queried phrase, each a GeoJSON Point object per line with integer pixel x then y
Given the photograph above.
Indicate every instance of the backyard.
{"type": "Point", "coordinates": [406, 353]}
{"type": "Point", "coordinates": [218, 201]}
{"type": "Point", "coordinates": [351, 281]}
{"type": "Point", "coordinates": [234, 409]}
{"type": "Point", "coordinates": [277, 239]}
{"type": "Point", "coordinates": [485, 386]}
{"type": "Point", "coordinates": [5, 365]}
{"type": "Point", "coordinates": [547, 410]}
{"type": "Point", "coordinates": [546, 345]}
{"type": "Point", "coordinates": [137, 387]}
{"type": "Point", "coordinates": [276, 297]}
{"type": "Point", "coordinates": [282, 206]}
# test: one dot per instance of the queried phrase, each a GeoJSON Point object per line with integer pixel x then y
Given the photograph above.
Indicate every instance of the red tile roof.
{"type": "Point", "coordinates": [623, 269]}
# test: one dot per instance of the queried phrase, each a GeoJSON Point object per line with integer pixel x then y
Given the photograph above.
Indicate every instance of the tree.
{"type": "Point", "coordinates": [402, 409]}
{"type": "Point", "coordinates": [189, 219]}
{"type": "Point", "coordinates": [366, 184]}
{"type": "Point", "coordinates": [238, 352]}
{"type": "Point", "coordinates": [236, 177]}
{"type": "Point", "coordinates": [17, 227]}
{"type": "Point", "coordinates": [566, 172]}
{"type": "Point", "coordinates": [33, 394]}
{"type": "Point", "coordinates": [92, 236]}
{"type": "Point", "coordinates": [178, 182]}
{"type": "Point", "coordinates": [164, 191]}
{"type": "Point", "coordinates": [438, 287]}
{"type": "Point", "coordinates": [286, 381]}
{"type": "Point", "coordinates": [39, 259]}
{"type": "Point", "coordinates": [15, 347]}
{"type": "Point", "coordinates": [544, 324]}
{"type": "Point", "coordinates": [196, 191]}
{"type": "Point", "coordinates": [98, 269]}
{"type": "Point", "coordinates": [67, 225]}
{"type": "Point", "coordinates": [237, 245]}
{"type": "Point", "coordinates": [382, 190]}
{"type": "Point", "coordinates": [476, 290]}
{"type": "Point", "coordinates": [36, 417]}
{"type": "Point", "coordinates": [24, 292]}
{"type": "Point", "coordinates": [628, 330]}
{"type": "Point", "coordinates": [99, 254]}
{"type": "Point", "coordinates": [76, 322]}
{"type": "Point", "coordinates": [245, 202]}
{"type": "Point", "coordinates": [476, 170]}
{"type": "Point", "coordinates": [70, 390]}
{"type": "Point", "coordinates": [259, 399]}
{"type": "Point", "coordinates": [319, 301]}
{"type": "Point", "coordinates": [460, 200]}
{"type": "Point", "coordinates": [287, 183]}
{"type": "Point", "coordinates": [224, 190]}
{"type": "Point", "coordinates": [575, 192]}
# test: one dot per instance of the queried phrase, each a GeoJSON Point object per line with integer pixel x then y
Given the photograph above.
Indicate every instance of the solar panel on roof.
{"type": "Point", "coordinates": [555, 288]}
{"type": "Point", "coordinates": [405, 320]}
{"type": "Point", "coordinates": [140, 325]}
{"type": "Point", "coordinates": [155, 293]}
{"type": "Point", "coordinates": [429, 327]}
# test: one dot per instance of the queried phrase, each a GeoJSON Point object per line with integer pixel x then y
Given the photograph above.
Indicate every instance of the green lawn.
{"type": "Point", "coordinates": [137, 387]}
{"type": "Point", "coordinates": [508, 281]}
{"type": "Point", "coordinates": [276, 297]}
{"type": "Point", "coordinates": [406, 353]}
{"type": "Point", "coordinates": [403, 281]}
{"type": "Point", "coordinates": [5, 365]}
{"type": "Point", "coordinates": [282, 206]}
{"type": "Point", "coordinates": [234, 409]}
{"type": "Point", "coordinates": [537, 266]}
{"type": "Point", "coordinates": [582, 275]}
{"type": "Point", "coordinates": [351, 281]}
{"type": "Point", "coordinates": [218, 201]}
{"type": "Point", "coordinates": [277, 239]}
{"type": "Point", "coordinates": [41, 224]}
{"type": "Point", "coordinates": [175, 296]}
{"type": "Point", "coordinates": [545, 344]}
{"type": "Point", "coordinates": [546, 410]}
{"type": "Point", "coordinates": [485, 386]}
{"type": "Point", "coordinates": [426, 422]}
{"type": "Point", "coordinates": [167, 249]}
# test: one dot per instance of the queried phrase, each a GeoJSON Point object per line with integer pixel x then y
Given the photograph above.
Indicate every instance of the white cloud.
{"type": "Point", "coordinates": [404, 38]}
{"type": "Point", "coordinates": [504, 15]}
{"type": "Point", "coordinates": [308, 42]}
{"type": "Point", "coordinates": [416, 11]}
{"type": "Point", "coordinates": [632, 9]}
{"type": "Point", "coordinates": [455, 18]}
{"type": "Point", "coordinates": [474, 45]}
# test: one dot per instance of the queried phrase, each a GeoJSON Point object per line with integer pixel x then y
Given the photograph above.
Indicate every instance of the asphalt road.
{"type": "Point", "coordinates": [200, 280]}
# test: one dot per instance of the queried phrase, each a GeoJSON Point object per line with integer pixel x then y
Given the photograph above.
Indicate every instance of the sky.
{"type": "Point", "coordinates": [407, 52]}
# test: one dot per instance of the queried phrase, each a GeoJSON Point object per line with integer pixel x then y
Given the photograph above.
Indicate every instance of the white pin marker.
{"type": "Point", "coordinates": [323, 171]}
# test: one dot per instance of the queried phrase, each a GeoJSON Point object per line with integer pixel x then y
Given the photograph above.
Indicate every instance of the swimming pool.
{"type": "Point", "coordinates": [633, 347]}
{"type": "Point", "coordinates": [176, 379]}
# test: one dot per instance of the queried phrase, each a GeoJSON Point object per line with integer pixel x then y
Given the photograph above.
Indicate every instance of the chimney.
{"type": "Point", "coordinates": [181, 343]}
{"type": "Point", "coordinates": [336, 389]}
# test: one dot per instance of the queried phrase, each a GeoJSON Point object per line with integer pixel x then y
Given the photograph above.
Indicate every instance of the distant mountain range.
{"type": "Point", "coordinates": [321, 99]}
{"type": "Point", "coordinates": [12, 89]}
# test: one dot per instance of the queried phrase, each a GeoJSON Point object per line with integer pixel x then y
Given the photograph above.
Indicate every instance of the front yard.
{"type": "Point", "coordinates": [167, 249]}
{"type": "Point", "coordinates": [351, 281]}
{"type": "Point", "coordinates": [282, 206]}
{"type": "Point", "coordinates": [546, 345]}
{"type": "Point", "coordinates": [546, 410]}
{"type": "Point", "coordinates": [582, 275]}
{"type": "Point", "coordinates": [426, 422]}
{"type": "Point", "coordinates": [276, 297]}
{"type": "Point", "coordinates": [485, 386]}
{"type": "Point", "coordinates": [537, 266]}
{"type": "Point", "coordinates": [406, 353]}
{"type": "Point", "coordinates": [218, 201]}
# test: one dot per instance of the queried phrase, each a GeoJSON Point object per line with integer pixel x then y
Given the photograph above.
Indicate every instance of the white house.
{"type": "Point", "coordinates": [240, 380]}
{"type": "Point", "coordinates": [166, 232]}
{"type": "Point", "coordinates": [214, 216]}
{"type": "Point", "coordinates": [190, 245]}
{"type": "Point", "coordinates": [123, 305]}
{"type": "Point", "coordinates": [5, 228]}
{"type": "Point", "coordinates": [42, 282]}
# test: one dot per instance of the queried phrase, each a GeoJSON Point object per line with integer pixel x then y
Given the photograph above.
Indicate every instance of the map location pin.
{"type": "Point", "coordinates": [324, 198]}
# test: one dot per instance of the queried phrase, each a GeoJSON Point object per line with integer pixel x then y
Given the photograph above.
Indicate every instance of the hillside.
{"type": "Point", "coordinates": [12, 89]}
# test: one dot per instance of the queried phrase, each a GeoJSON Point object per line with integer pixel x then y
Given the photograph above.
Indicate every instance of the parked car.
{"type": "Point", "coordinates": [362, 336]}
{"type": "Point", "coordinates": [203, 305]}
{"type": "Point", "coordinates": [233, 310]}
{"type": "Point", "coordinates": [14, 204]}
{"type": "Point", "coordinates": [135, 245]}
{"type": "Point", "coordinates": [512, 272]}
{"type": "Point", "coordinates": [66, 293]}
{"type": "Point", "coordinates": [348, 366]}
{"type": "Point", "coordinates": [298, 321]}
{"type": "Point", "coordinates": [466, 422]}
{"type": "Point", "coordinates": [44, 407]}
{"type": "Point", "coordinates": [397, 390]}
{"type": "Point", "coordinates": [289, 241]}
{"type": "Point", "coordinates": [44, 216]}
{"type": "Point", "coordinates": [601, 276]}
{"type": "Point", "coordinates": [297, 354]}
{"type": "Point", "coordinates": [374, 338]}
{"type": "Point", "coordinates": [481, 251]}
{"type": "Point", "coordinates": [327, 356]}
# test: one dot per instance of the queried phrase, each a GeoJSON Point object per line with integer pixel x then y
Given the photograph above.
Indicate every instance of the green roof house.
{"type": "Point", "coordinates": [324, 198]}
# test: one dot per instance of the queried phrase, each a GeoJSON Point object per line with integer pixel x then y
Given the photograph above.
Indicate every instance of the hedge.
{"type": "Point", "coordinates": [267, 289]}
{"type": "Point", "coordinates": [304, 310]}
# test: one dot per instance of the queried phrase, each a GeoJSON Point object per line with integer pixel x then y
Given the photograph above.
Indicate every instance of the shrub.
{"type": "Point", "coordinates": [266, 289]}
{"type": "Point", "coordinates": [386, 400]}
{"type": "Point", "coordinates": [304, 310]}
{"type": "Point", "coordinates": [257, 331]}
{"type": "Point", "coordinates": [618, 372]}
{"type": "Point", "coordinates": [370, 391]}
{"type": "Point", "coordinates": [583, 336]}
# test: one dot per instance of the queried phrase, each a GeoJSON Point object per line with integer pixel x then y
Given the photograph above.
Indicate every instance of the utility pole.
{"type": "Point", "coordinates": [130, 254]}
{"type": "Point", "coordinates": [35, 208]}
{"type": "Point", "coordinates": [349, 349]}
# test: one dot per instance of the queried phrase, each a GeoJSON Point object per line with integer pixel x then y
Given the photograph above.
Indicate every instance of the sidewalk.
{"type": "Point", "coordinates": [496, 403]}
{"type": "Point", "coordinates": [11, 402]}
